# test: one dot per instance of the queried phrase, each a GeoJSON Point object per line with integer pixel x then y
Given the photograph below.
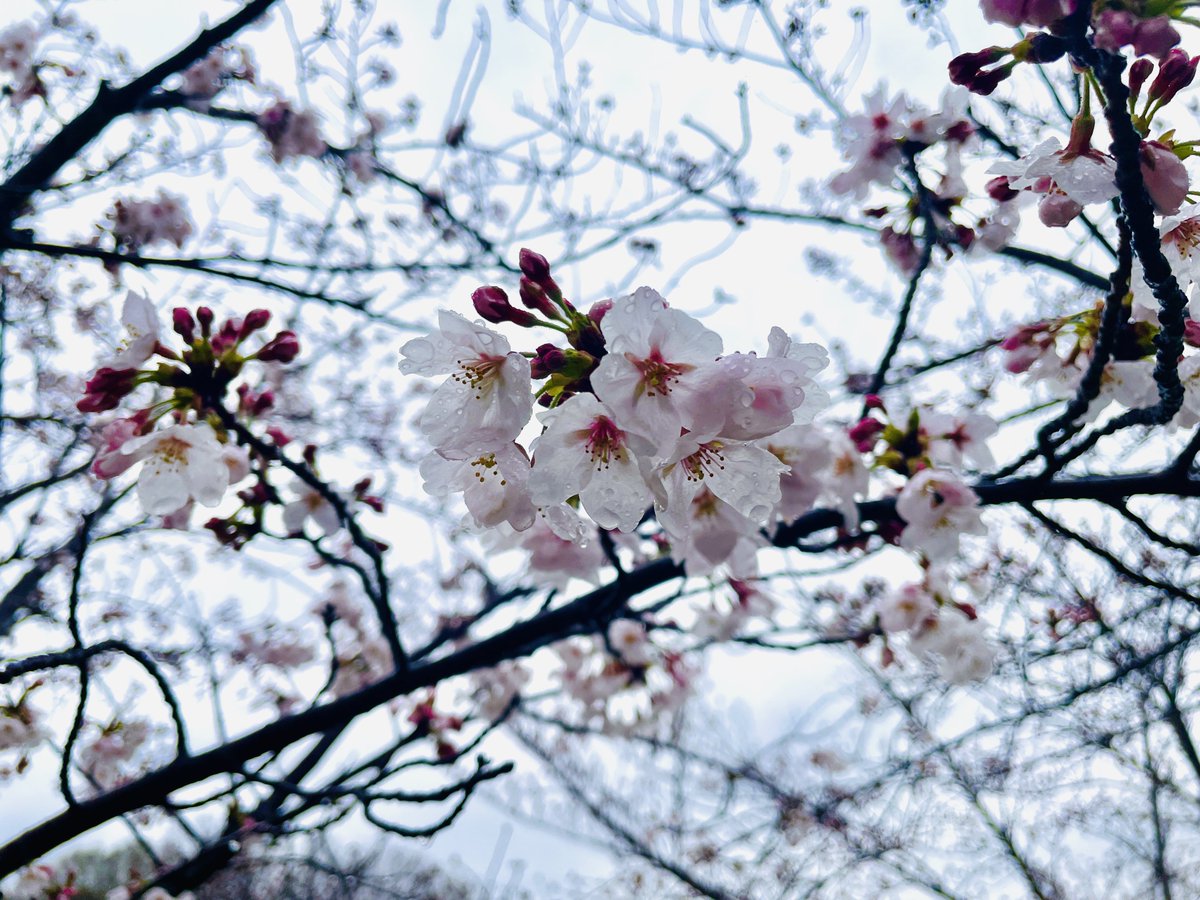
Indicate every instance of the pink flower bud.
{"type": "Point", "coordinates": [204, 316]}
{"type": "Point", "coordinates": [599, 309]}
{"type": "Point", "coordinates": [255, 319]}
{"type": "Point", "coordinates": [549, 359]}
{"type": "Point", "coordinates": [1114, 29]}
{"type": "Point", "coordinates": [534, 266]}
{"type": "Point", "coordinates": [183, 323]}
{"type": "Point", "coordinates": [966, 67]}
{"type": "Point", "coordinates": [284, 348]}
{"type": "Point", "coordinates": [278, 436]}
{"type": "Point", "coordinates": [106, 388]}
{"type": "Point", "coordinates": [864, 433]}
{"type": "Point", "coordinates": [1175, 72]}
{"type": "Point", "coordinates": [227, 337]}
{"type": "Point", "coordinates": [1038, 13]}
{"type": "Point", "coordinates": [999, 190]}
{"type": "Point", "coordinates": [534, 296]}
{"type": "Point", "coordinates": [1138, 73]}
{"type": "Point", "coordinates": [492, 304]}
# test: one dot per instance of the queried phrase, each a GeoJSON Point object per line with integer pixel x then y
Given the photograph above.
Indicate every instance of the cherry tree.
{"type": "Point", "coordinates": [284, 546]}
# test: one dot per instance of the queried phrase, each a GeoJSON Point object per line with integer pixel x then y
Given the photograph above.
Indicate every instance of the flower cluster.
{"type": "Point", "coordinates": [141, 223]}
{"type": "Point", "coordinates": [643, 409]}
{"type": "Point", "coordinates": [192, 458]}
{"type": "Point", "coordinates": [938, 627]}
{"type": "Point", "coordinates": [114, 753]}
{"type": "Point", "coordinates": [17, 45]}
{"type": "Point", "coordinates": [291, 133]}
{"type": "Point", "coordinates": [207, 77]}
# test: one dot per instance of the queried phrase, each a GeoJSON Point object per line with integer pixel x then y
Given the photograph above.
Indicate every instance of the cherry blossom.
{"type": "Point", "coordinates": [21, 727]}
{"type": "Point", "coordinates": [488, 397]}
{"type": "Point", "coordinates": [1026, 12]}
{"type": "Point", "coordinates": [17, 46]}
{"type": "Point", "coordinates": [823, 464]}
{"type": "Point", "coordinates": [140, 319]}
{"type": "Point", "coordinates": [959, 645]}
{"type": "Point", "coordinates": [108, 758]}
{"type": "Point", "coordinates": [629, 639]}
{"type": "Point", "coordinates": [937, 507]}
{"type": "Point", "coordinates": [179, 463]}
{"type": "Point", "coordinates": [141, 223]}
{"type": "Point", "coordinates": [714, 534]}
{"type": "Point", "coordinates": [1078, 173]}
{"type": "Point", "coordinates": [493, 479]}
{"type": "Point", "coordinates": [310, 503]}
{"type": "Point", "coordinates": [749, 397]}
{"type": "Point", "coordinates": [291, 133]}
{"type": "Point", "coordinates": [746, 476]}
{"type": "Point", "coordinates": [651, 376]}
{"type": "Point", "coordinates": [582, 451]}
{"type": "Point", "coordinates": [958, 437]}
{"type": "Point", "coordinates": [906, 608]}
{"type": "Point", "coordinates": [496, 689]}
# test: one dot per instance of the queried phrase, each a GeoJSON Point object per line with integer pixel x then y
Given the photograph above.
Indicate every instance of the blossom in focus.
{"type": "Point", "coordinates": [937, 507]}
{"type": "Point", "coordinates": [582, 451]}
{"type": "Point", "coordinates": [1069, 178]}
{"type": "Point", "coordinates": [650, 377]}
{"type": "Point", "coordinates": [493, 479]}
{"type": "Point", "coordinates": [1164, 176]}
{"type": "Point", "coordinates": [747, 397]}
{"type": "Point", "coordinates": [714, 534]}
{"type": "Point", "coordinates": [179, 463]}
{"type": "Point", "coordinates": [488, 397]}
{"type": "Point", "coordinates": [746, 476]}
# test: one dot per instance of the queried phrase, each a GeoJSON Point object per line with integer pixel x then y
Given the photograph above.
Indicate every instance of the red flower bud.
{"type": "Point", "coordinates": [204, 316]}
{"type": "Point", "coordinates": [534, 297]}
{"type": "Point", "coordinates": [183, 323]}
{"type": "Point", "coordinates": [864, 433]}
{"type": "Point", "coordinates": [1138, 73]}
{"type": "Point", "coordinates": [284, 348]}
{"type": "Point", "coordinates": [549, 359]}
{"type": "Point", "coordinates": [255, 319]}
{"type": "Point", "coordinates": [492, 304]}
{"type": "Point", "coordinates": [1175, 73]}
{"type": "Point", "coordinates": [534, 266]}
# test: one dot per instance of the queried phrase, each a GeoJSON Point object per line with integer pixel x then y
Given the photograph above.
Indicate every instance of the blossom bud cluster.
{"type": "Point", "coordinates": [185, 461]}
